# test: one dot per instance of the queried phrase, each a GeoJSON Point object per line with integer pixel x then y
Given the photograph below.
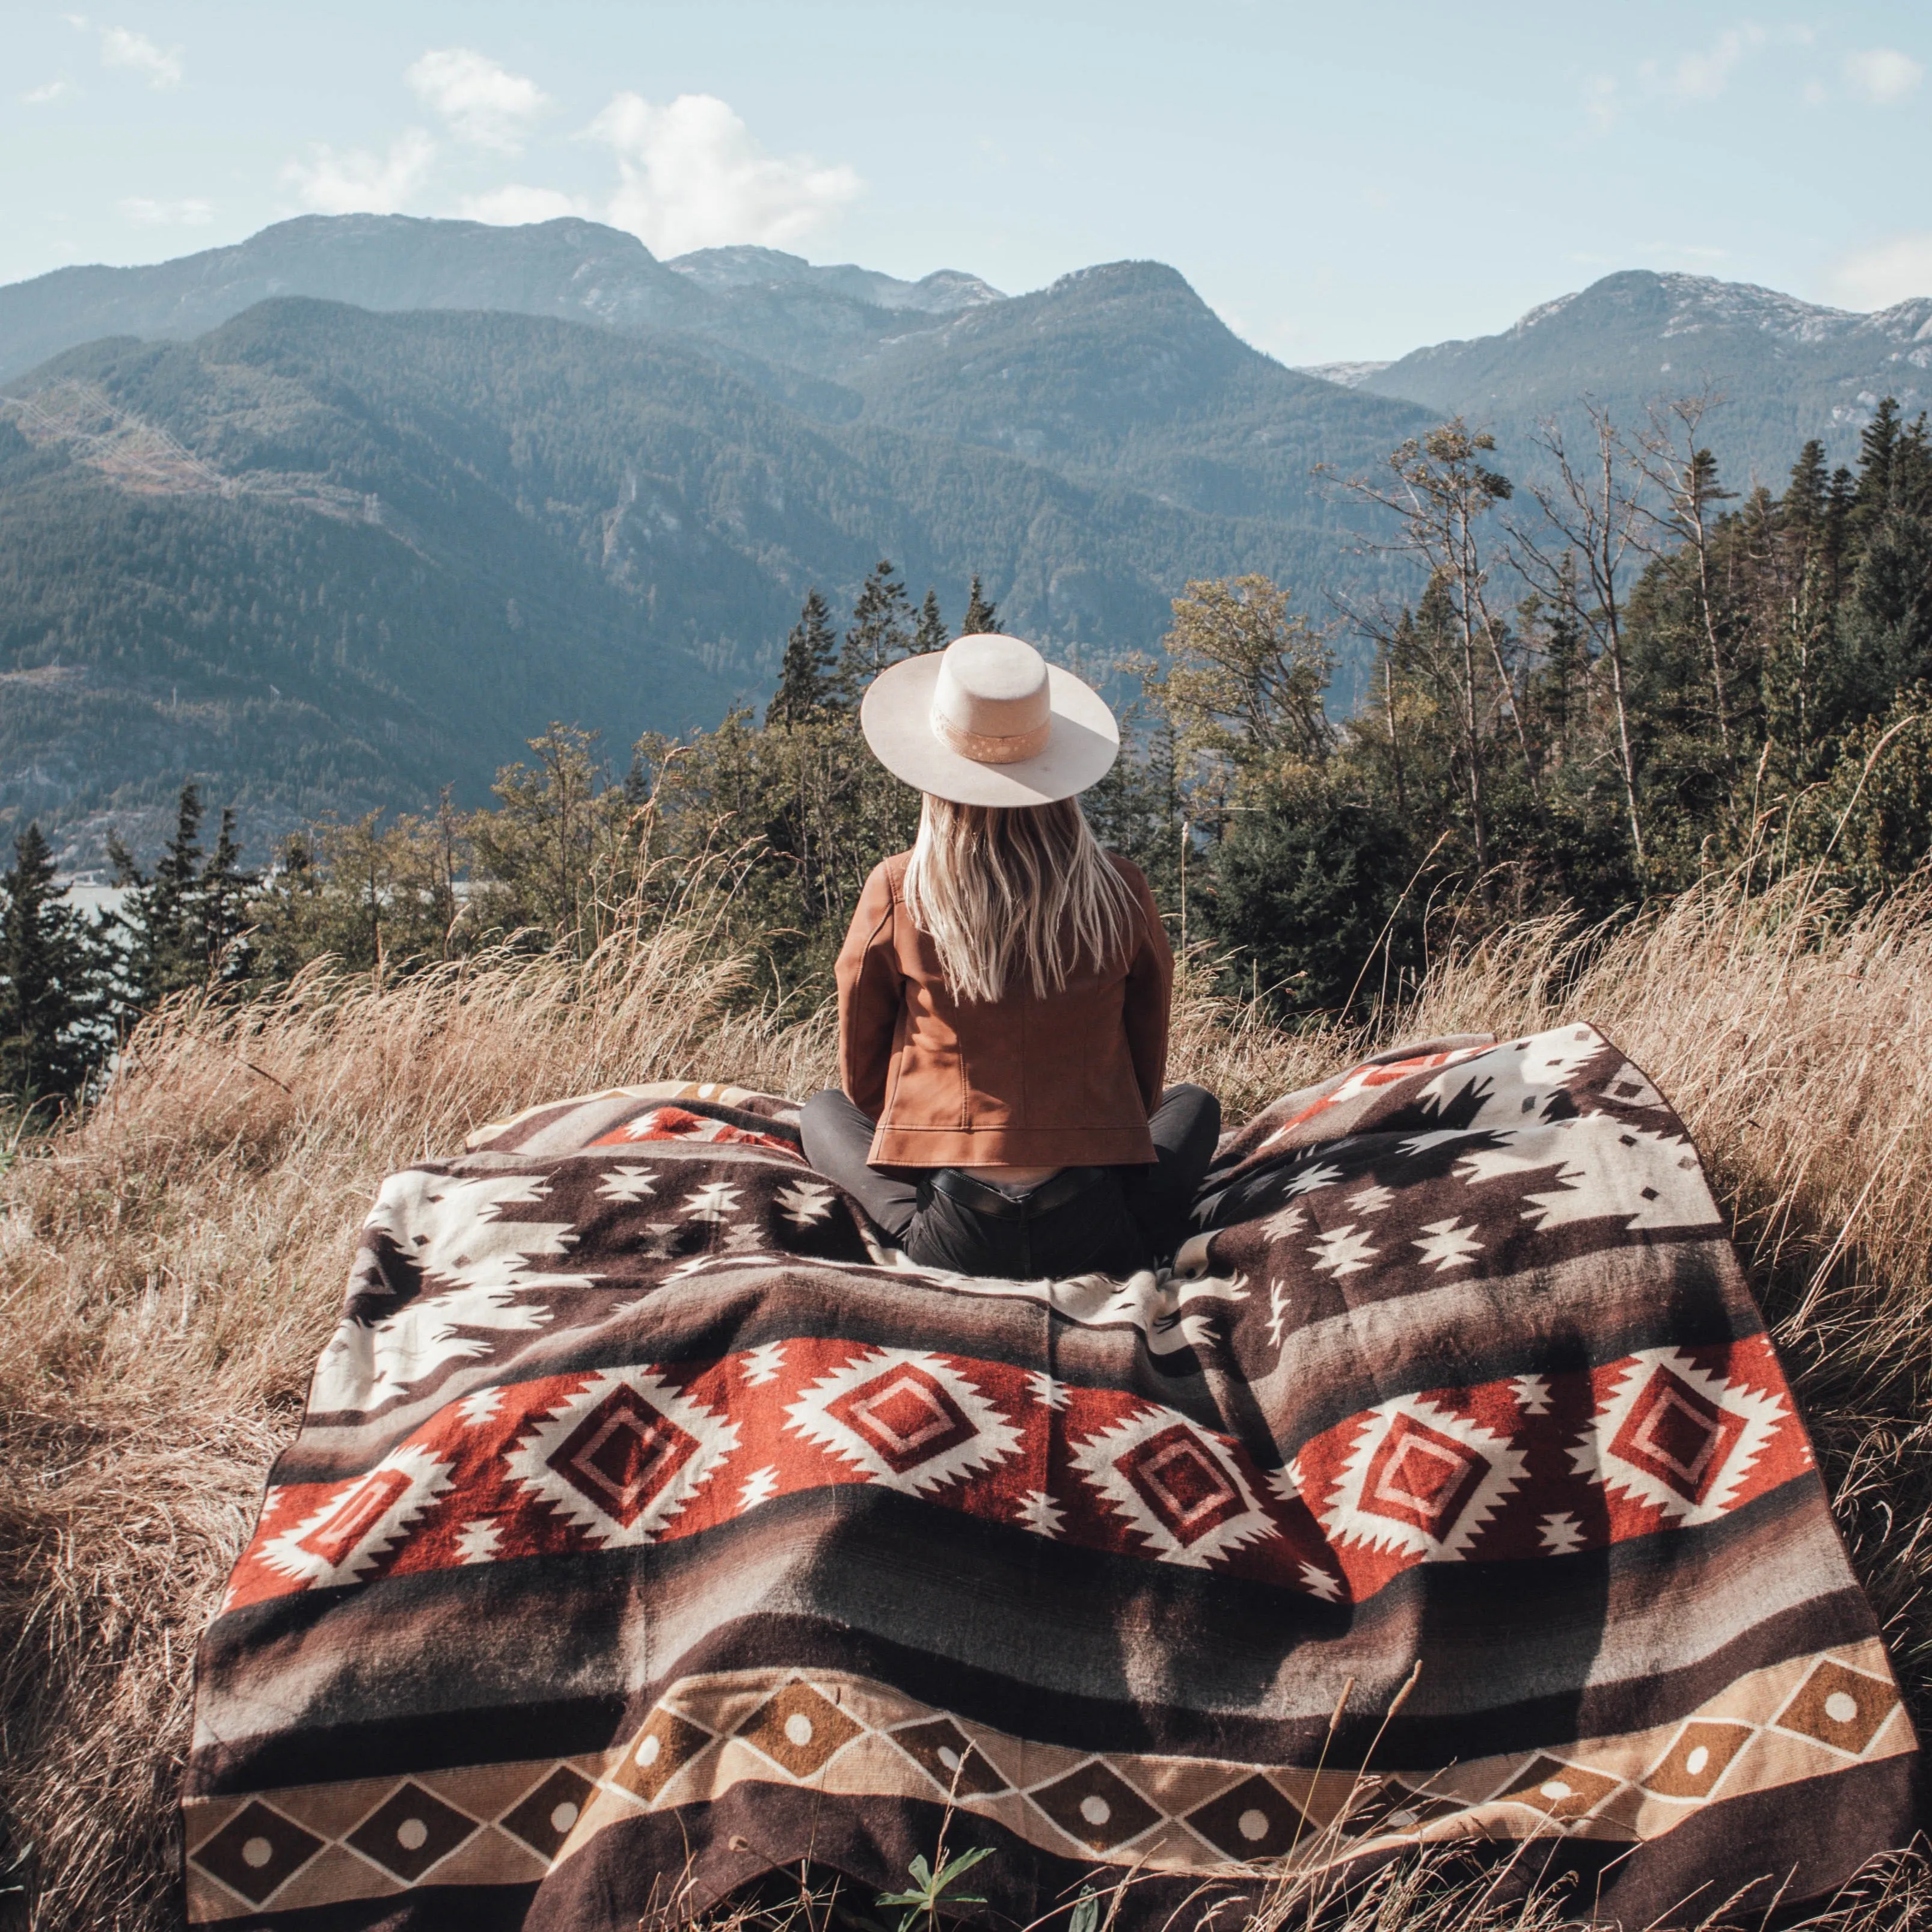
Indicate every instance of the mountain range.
{"type": "Point", "coordinates": [346, 510]}
{"type": "Point", "coordinates": [1785, 370]}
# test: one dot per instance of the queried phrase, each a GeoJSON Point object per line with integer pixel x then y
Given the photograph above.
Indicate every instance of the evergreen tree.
{"type": "Point", "coordinates": [637, 777]}
{"type": "Point", "coordinates": [52, 973]}
{"type": "Point", "coordinates": [881, 633]}
{"type": "Point", "coordinates": [1879, 443]}
{"type": "Point", "coordinates": [161, 912]}
{"type": "Point", "coordinates": [1804, 503]}
{"type": "Point", "coordinates": [1557, 688]}
{"type": "Point", "coordinates": [1837, 536]}
{"type": "Point", "coordinates": [187, 923]}
{"type": "Point", "coordinates": [932, 634]}
{"type": "Point", "coordinates": [1311, 895]}
{"type": "Point", "coordinates": [221, 907]}
{"type": "Point", "coordinates": [982, 616]}
{"type": "Point", "coordinates": [805, 679]}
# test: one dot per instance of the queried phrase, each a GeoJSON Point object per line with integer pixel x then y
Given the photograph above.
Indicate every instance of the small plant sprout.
{"type": "Point", "coordinates": [932, 1889]}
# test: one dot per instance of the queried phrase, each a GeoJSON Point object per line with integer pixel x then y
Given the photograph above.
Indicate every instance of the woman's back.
{"type": "Point", "coordinates": [1061, 1076]}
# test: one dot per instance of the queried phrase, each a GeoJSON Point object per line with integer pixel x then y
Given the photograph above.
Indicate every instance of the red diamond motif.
{"type": "Point", "coordinates": [1420, 1476]}
{"type": "Point", "coordinates": [345, 1526]}
{"type": "Point", "coordinates": [622, 1455]}
{"type": "Point", "coordinates": [1181, 1482]}
{"type": "Point", "coordinates": [1678, 1436]}
{"type": "Point", "coordinates": [905, 1415]}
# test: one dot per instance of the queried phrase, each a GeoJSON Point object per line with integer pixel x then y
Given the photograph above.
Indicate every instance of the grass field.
{"type": "Point", "coordinates": [170, 1264]}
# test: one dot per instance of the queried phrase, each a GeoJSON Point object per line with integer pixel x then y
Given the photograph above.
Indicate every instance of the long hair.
{"type": "Point", "coordinates": [1008, 892]}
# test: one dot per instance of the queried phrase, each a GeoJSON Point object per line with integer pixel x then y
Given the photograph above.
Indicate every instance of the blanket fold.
{"type": "Point", "coordinates": [651, 1527]}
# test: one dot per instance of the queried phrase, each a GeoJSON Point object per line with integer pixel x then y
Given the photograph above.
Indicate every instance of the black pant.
{"type": "Point", "coordinates": [1123, 1218]}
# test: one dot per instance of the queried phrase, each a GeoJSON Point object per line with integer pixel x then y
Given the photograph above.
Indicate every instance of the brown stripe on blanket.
{"type": "Point", "coordinates": [1651, 1635]}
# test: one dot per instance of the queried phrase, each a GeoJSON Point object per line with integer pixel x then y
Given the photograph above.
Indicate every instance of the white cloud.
{"type": "Point", "coordinates": [359, 182]}
{"type": "Point", "coordinates": [1705, 74]}
{"type": "Point", "coordinates": [1887, 272]}
{"type": "Point", "coordinates": [1883, 75]}
{"type": "Point", "coordinates": [40, 97]}
{"type": "Point", "coordinates": [121, 48]}
{"type": "Point", "coordinates": [514, 204]}
{"type": "Point", "coordinates": [1601, 105]}
{"type": "Point", "coordinates": [190, 213]}
{"type": "Point", "coordinates": [482, 102]}
{"type": "Point", "coordinates": [693, 177]}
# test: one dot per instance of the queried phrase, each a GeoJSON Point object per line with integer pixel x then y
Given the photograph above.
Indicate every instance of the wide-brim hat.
{"type": "Point", "coordinates": [988, 721]}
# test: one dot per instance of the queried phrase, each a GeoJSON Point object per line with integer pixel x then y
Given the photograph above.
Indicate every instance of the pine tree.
{"type": "Point", "coordinates": [161, 912]}
{"type": "Point", "coordinates": [982, 616]}
{"type": "Point", "coordinates": [932, 634]}
{"type": "Point", "coordinates": [52, 982]}
{"type": "Point", "coordinates": [188, 921]}
{"type": "Point", "coordinates": [1879, 443]}
{"type": "Point", "coordinates": [221, 907]}
{"type": "Point", "coordinates": [1837, 537]}
{"type": "Point", "coordinates": [881, 633]}
{"type": "Point", "coordinates": [1803, 504]}
{"type": "Point", "coordinates": [805, 679]}
{"type": "Point", "coordinates": [638, 778]}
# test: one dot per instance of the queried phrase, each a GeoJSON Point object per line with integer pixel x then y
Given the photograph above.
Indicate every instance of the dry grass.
{"type": "Point", "coordinates": [170, 1266]}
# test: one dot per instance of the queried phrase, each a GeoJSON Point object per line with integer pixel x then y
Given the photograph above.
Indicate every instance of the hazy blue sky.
{"type": "Point", "coordinates": [1338, 181]}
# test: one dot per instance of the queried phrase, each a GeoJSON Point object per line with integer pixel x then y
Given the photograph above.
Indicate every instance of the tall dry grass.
{"type": "Point", "coordinates": [170, 1264]}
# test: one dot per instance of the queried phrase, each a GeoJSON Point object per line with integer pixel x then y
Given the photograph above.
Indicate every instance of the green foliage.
{"type": "Point", "coordinates": [189, 922]}
{"type": "Point", "coordinates": [54, 972]}
{"type": "Point", "coordinates": [930, 633]}
{"type": "Point", "coordinates": [932, 1890]}
{"type": "Point", "coordinates": [1242, 685]}
{"type": "Point", "coordinates": [884, 630]}
{"type": "Point", "coordinates": [371, 894]}
{"type": "Point", "coordinates": [1310, 900]}
{"type": "Point", "coordinates": [1871, 821]}
{"type": "Point", "coordinates": [982, 617]}
{"type": "Point", "coordinates": [804, 676]}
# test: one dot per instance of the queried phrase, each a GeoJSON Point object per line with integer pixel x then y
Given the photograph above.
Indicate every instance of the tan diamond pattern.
{"type": "Point", "coordinates": [847, 1736]}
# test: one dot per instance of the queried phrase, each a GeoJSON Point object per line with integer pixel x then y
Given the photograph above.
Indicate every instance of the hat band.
{"type": "Point", "coordinates": [985, 750]}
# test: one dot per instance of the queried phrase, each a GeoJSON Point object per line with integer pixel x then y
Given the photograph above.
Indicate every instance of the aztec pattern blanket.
{"type": "Point", "coordinates": [651, 1527]}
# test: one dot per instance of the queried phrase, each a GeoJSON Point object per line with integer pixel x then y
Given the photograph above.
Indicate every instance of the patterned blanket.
{"type": "Point", "coordinates": [651, 1527]}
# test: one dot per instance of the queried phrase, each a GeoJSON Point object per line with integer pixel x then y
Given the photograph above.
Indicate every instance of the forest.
{"type": "Point", "coordinates": [1605, 686]}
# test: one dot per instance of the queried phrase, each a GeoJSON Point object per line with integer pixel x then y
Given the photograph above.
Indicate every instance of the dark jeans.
{"type": "Point", "coordinates": [1122, 1219]}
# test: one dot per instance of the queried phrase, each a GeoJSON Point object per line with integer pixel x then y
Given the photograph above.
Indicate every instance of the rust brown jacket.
{"type": "Point", "coordinates": [1065, 1082]}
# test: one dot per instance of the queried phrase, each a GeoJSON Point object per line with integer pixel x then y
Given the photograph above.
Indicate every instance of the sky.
{"type": "Point", "coordinates": [1338, 181]}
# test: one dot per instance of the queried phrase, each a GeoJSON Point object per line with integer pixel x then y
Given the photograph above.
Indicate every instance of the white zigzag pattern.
{"type": "Point", "coordinates": [486, 1262]}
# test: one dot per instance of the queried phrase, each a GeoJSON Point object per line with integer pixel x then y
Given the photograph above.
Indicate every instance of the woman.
{"type": "Point", "coordinates": [1003, 994]}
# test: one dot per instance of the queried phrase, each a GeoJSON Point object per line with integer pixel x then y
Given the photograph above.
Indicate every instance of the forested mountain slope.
{"type": "Point", "coordinates": [1123, 373]}
{"type": "Point", "coordinates": [329, 558]}
{"type": "Point", "coordinates": [1787, 370]}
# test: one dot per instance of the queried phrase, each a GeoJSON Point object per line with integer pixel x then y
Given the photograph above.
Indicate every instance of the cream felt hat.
{"type": "Point", "coordinates": [988, 721]}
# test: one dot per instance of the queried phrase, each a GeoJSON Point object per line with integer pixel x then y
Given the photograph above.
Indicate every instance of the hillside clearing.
{"type": "Point", "coordinates": [169, 1267]}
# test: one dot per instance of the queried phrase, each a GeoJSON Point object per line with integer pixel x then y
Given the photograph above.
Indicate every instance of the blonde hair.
{"type": "Point", "coordinates": [1002, 890]}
